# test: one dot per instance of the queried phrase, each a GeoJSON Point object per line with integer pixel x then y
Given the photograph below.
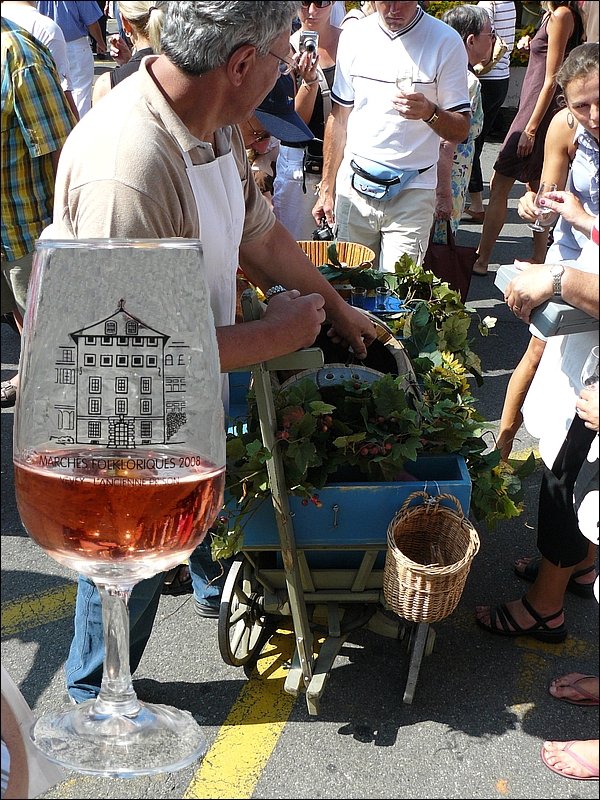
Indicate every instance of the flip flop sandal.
{"type": "Point", "coordinates": [587, 699]}
{"type": "Point", "coordinates": [586, 590]}
{"type": "Point", "coordinates": [568, 748]}
{"type": "Point", "coordinates": [503, 624]}
{"type": "Point", "coordinates": [178, 581]}
{"type": "Point", "coordinates": [8, 394]}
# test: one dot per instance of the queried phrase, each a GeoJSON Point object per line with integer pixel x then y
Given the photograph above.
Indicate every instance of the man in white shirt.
{"type": "Point", "coordinates": [382, 144]}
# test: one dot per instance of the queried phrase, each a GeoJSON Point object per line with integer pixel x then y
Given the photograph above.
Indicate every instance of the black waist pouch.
{"type": "Point", "coordinates": [313, 157]}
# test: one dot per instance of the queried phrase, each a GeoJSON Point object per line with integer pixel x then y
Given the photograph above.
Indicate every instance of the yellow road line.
{"type": "Point", "coordinates": [234, 763]}
{"type": "Point", "coordinates": [33, 610]}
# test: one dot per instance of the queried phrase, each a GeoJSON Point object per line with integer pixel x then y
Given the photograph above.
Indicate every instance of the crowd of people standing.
{"type": "Point", "coordinates": [389, 154]}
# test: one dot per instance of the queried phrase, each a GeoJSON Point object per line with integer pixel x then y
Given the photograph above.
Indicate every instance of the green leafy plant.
{"type": "Point", "coordinates": [372, 429]}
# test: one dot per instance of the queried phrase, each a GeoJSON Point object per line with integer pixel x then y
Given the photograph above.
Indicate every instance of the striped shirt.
{"type": "Point", "coordinates": [503, 16]}
{"type": "Point", "coordinates": [36, 120]}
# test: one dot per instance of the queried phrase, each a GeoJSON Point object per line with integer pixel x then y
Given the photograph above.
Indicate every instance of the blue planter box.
{"type": "Point", "coordinates": [357, 515]}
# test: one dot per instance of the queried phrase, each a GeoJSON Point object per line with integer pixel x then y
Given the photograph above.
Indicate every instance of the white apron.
{"type": "Point", "coordinates": [221, 208]}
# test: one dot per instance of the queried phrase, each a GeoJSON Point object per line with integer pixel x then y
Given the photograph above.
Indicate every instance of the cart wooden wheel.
{"type": "Point", "coordinates": [242, 620]}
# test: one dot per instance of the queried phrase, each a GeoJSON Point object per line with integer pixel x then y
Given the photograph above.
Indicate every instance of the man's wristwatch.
{"type": "Point", "coordinates": [277, 289]}
{"type": "Point", "coordinates": [433, 118]}
{"type": "Point", "coordinates": [557, 271]}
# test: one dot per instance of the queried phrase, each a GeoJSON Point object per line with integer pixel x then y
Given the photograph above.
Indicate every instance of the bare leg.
{"type": "Point", "coordinates": [476, 204]}
{"type": "Point", "coordinates": [495, 217]}
{"type": "Point", "coordinates": [540, 247]}
{"type": "Point", "coordinates": [516, 391]}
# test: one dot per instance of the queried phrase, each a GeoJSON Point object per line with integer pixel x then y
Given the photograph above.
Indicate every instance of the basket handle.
{"type": "Point", "coordinates": [432, 501]}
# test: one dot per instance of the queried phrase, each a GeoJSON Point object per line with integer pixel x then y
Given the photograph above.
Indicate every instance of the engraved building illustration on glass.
{"type": "Point", "coordinates": [128, 382]}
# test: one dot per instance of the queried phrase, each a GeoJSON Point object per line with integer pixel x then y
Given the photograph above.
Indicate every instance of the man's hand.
{"type": "Point", "coordinates": [295, 320]}
{"type": "Point", "coordinates": [353, 329]}
{"type": "Point", "coordinates": [323, 208]}
{"type": "Point", "coordinates": [528, 290]}
{"type": "Point", "coordinates": [412, 105]}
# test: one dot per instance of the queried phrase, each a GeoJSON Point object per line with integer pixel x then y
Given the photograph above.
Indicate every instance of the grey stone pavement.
{"type": "Point", "coordinates": [481, 708]}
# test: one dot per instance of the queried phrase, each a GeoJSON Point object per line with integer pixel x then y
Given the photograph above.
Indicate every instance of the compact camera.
{"type": "Point", "coordinates": [323, 233]}
{"type": "Point", "coordinates": [309, 42]}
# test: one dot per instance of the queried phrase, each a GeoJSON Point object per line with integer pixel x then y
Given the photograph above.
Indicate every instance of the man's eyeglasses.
{"type": "Point", "coordinates": [285, 65]}
{"type": "Point", "coordinates": [492, 34]}
{"type": "Point", "coordinates": [258, 137]}
{"type": "Point", "coordinates": [318, 4]}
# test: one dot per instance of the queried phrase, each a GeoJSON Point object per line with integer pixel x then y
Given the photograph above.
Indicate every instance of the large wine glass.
{"type": "Point", "coordinates": [119, 462]}
{"type": "Point", "coordinates": [544, 214]}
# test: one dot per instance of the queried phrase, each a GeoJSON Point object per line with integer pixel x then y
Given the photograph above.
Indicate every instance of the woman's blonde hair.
{"type": "Point", "coordinates": [146, 17]}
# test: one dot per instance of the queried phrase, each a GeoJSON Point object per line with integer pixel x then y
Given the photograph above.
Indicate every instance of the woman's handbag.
{"type": "Point", "coordinates": [451, 262]}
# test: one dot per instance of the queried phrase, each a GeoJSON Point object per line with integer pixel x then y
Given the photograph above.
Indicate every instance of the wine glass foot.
{"type": "Point", "coordinates": [157, 738]}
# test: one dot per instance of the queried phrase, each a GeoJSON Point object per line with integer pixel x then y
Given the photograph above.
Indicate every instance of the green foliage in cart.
{"type": "Point", "coordinates": [372, 429]}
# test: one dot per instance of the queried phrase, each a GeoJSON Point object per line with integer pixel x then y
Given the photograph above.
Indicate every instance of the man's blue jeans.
{"type": "Point", "coordinates": [84, 663]}
{"type": "Point", "coordinates": [83, 667]}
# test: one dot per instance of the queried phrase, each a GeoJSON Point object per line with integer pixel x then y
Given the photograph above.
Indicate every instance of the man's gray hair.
{"type": "Point", "coordinates": [200, 36]}
{"type": "Point", "coordinates": [466, 20]}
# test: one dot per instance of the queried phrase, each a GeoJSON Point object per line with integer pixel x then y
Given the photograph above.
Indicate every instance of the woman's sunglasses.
{"type": "Point", "coordinates": [318, 4]}
{"type": "Point", "coordinates": [258, 137]}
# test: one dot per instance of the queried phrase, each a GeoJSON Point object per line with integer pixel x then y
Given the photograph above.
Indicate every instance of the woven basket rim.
{"type": "Point", "coordinates": [311, 247]}
{"type": "Point", "coordinates": [458, 519]}
{"type": "Point", "coordinates": [427, 569]}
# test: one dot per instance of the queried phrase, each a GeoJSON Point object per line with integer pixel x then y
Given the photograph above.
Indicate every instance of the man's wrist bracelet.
{"type": "Point", "coordinates": [307, 84]}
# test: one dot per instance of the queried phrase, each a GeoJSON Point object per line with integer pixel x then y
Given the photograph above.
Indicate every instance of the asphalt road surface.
{"type": "Point", "coordinates": [481, 709]}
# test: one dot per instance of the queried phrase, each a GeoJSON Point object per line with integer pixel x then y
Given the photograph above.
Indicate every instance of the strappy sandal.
{"type": "Point", "coordinates": [586, 590]}
{"type": "Point", "coordinates": [502, 624]}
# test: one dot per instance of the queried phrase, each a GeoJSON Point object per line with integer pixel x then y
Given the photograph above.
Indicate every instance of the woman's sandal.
{"type": "Point", "coordinates": [586, 590]}
{"type": "Point", "coordinates": [570, 752]}
{"type": "Point", "coordinates": [509, 627]}
{"type": "Point", "coordinates": [572, 681]}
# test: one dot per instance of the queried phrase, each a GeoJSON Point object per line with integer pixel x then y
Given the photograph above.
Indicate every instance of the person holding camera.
{"type": "Point", "coordinates": [299, 165]}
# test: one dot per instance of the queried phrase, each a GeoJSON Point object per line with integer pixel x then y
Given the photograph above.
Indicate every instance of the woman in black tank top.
{"type": "Point", "coordinates": [142, 22]}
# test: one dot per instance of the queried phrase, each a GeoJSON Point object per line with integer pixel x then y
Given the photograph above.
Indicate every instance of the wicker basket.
{"type": "Point", "coordinates": [429, 554]}
{"type": "Point", "coordinates": [350, 254]}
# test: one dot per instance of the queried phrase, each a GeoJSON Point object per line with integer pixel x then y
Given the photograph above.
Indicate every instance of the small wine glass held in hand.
{"type": "Point", "coordinates": [545, 215]}
{"type": "Point", "coordinates": [119, 455]}
{"type": "Point", "coordinates": [405, 79]}
{"type": "Point", "coordinates": [589, 372]}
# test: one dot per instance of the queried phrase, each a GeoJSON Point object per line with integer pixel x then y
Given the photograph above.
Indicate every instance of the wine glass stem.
{"type": "Point", "coordinates": [117, 695]}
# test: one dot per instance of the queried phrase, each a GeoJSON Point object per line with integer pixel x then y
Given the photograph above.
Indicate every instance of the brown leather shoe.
{"type": "Point", "coordinates": [474, 217]}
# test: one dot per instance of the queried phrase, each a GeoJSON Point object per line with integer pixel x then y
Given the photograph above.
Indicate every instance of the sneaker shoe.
{"type": "Point", "coordinates": [206, 610]}
{"type": "Point", "coordinates": [8, 394]}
